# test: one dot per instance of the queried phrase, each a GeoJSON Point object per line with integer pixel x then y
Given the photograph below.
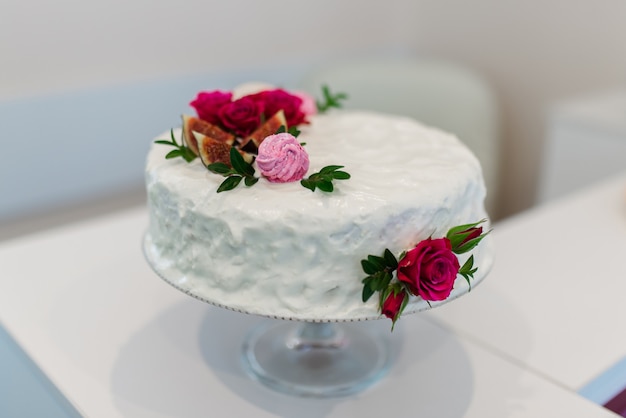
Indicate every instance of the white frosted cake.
{"type": "Point", "coordinates": [282, 250]}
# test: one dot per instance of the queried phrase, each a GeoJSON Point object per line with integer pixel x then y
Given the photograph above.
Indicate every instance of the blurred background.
{"type": "Point", "coordinates": [85, 86]}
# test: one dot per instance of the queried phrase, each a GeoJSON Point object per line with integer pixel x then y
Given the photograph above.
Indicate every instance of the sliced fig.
{"type": "Point", "coordinates": [252, 142]}
{"type": "Point", "coordinates": [212, 150]}
{"type": "Point", "coordinates": [192, 124]}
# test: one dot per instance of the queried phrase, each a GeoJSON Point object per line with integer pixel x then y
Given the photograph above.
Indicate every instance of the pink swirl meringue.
{"type": "Point", "coordinates": [282, 159]}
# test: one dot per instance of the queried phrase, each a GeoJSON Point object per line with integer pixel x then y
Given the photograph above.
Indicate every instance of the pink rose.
{"type": "Point", "coordinates": [242, 116]}
{"type": "Point", "coordinates": [393, 304]}
{"type": "Point", "coordinates": [282, 159]}
{"type": "Point", "coordinates": [274, 100]}
{"type": "Point", "coordinates": [308, 106]}
{"type": "Point", "coordinates": [208, 104]}
{"type": "Point", "coordinates": [429, 269]}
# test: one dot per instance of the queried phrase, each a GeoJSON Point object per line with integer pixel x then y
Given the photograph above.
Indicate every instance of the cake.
{"type": "Point", "coordinates": [282, 250]}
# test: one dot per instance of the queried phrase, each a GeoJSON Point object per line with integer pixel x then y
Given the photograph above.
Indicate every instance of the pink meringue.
{"type": "Point", "coordinates": [282, 159]}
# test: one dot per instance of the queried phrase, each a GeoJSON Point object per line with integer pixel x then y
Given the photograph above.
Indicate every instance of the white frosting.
{"type": "Point", "coordinates": [282, 250]}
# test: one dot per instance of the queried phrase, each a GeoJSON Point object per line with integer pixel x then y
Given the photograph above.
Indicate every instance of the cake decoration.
{"type": "Point", "coordinates": [231, 133]}
{"type": "Point", "coordinates": [238, 170]}
{"type": "Point", "coordinates": [428, 270]}
{"type": "Point", "coordinates": [282, 159]}
{"type": "Point", "coordinates": [324, 178]}
{"type": "Point", "coordinates": [182, 151]}
{"type": "Point", "coordinates": [296, 255]}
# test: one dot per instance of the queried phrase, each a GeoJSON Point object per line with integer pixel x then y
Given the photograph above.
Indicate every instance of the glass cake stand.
{"type": "Point", "coordinates": [314, 357]}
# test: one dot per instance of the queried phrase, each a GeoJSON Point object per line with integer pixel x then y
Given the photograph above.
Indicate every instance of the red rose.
{"type": "Point", "coordinates": [242, 116]}
{"type": "Point", "coordinates": [274, 100]}
{"type": "Point", "coordinates": [429, 269]}
{"type": "Point", "coordinates": [208, 104]}
{"type": "Point", "coordinates": [393, 304]}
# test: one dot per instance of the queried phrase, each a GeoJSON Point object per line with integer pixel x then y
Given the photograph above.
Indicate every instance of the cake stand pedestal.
{"type": "Point", "coordinates": [314, 359]}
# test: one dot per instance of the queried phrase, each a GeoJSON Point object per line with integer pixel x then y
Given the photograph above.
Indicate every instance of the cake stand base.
{"type": "Point", "coordinates": [315, 359]}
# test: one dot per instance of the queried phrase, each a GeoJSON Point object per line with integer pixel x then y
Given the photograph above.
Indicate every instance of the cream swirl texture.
{"type": "Point", "coordinates": [282, 159]}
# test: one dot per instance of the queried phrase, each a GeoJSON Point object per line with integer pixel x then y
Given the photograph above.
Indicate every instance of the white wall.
{"type": "Point", "coordinates": [86, 85]}
{"type": "Point", "coordinates": [535, 53]}
{"type": "Point", "coordinates": [48, 46]}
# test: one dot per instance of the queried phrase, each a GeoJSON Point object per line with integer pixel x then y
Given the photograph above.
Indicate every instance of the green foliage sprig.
{"type": "Point", "coordinates": [393, 294]}
{"type": "Point", "coordinates": [181, 150]}
{"type": "Point", "coordinates": [323, 180]}
{"type": "Point", "coordinates": [380, 272]}
{"type": "Point", "coordinates": [241, 170]}
{"type": "Point", "coordinates": [330, 100]}
{"type": "Point", "coordinates": [292, 130]}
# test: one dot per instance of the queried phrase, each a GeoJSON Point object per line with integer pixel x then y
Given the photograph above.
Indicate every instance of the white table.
{"type": "Point", "coordinates": [117, 341]}
{"type": "Point", "coordinates": [554, 301]}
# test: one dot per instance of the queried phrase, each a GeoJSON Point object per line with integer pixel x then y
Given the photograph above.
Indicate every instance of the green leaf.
{"type": "Point", "coordinates": [467, 266]}
{"type": "Point", "coordinates": [281, 129]}
{"type": "Point", "coordinates": [315, 177]}
{"type": "Point", "coordinates": [467, 271]}
{"type": "Point", "coordinates": [324, 178]}
{"type": "Point", "coordinates": [330, 100]}
{"type": "Point", "coordinates": [229, 184]}
{"type": "Point", "coordinates": [368, 267]}
{"type": "Point", "coordinates": [469, 284]}
{"type": "Point", "coordinates": [250, 181]}
{"type": "Point", "coordinates": [308, 184]}
{"type": "Point", "coordinates": [239, 164]}
{"type": "Point", "coordinates": [181, 150]}
{"type": "Point", "coordinates": [378, 281]}
{"type": "Point", "coordinates": [341, 175]}
{"type": "Point", "coordinates": [187, 154]}
{"type": "Point", "coordinates": [325, 186]}
{"type": "Point", "coordinates": [390, 259]}
{"type": "Point", "coordinates": [386, 280]}
{"type": "Point", "coordinates": [173, 154]}
{"type": "Point", "coordinates": [383, 297]}
{"type": "Point", "coordinates": [367, 293]}
{"type": "Point", "coordinates": [294, 131]}
{"type": "Point", "coordinates": [330, 168]}
{"type": "Point", "coordinates": [378, 262]}
{"type": "Point", "coordinates": [219, 168]}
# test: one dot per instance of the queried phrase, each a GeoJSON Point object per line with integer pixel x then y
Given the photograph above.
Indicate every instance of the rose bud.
{"type": "Point", "coordinates": [392, 306]}
{"type": "Point", "coordinates": [471, 233]}
{"type": "Point", "coordinates": [465, 237]}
